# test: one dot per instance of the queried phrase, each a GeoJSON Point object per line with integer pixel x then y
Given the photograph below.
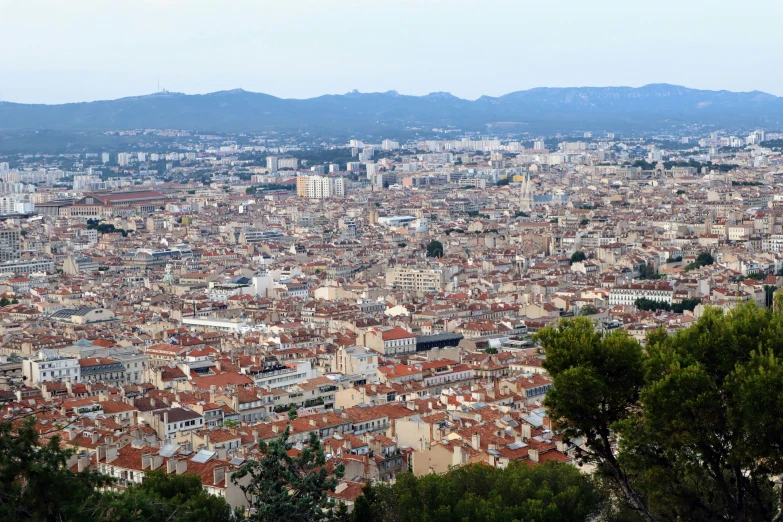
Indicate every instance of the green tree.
{"type": "Point", "coordinates": [695, 416]}
{"type": "Point", "coordinates": [4, 301]}
{"type": "Point", "coordinates": [480, 493]}
{"type": "Point", "coordinates": [578, 257]}
{"type": "Point", "coordinates": [648, 272]}
{"type": "Point", "coordinates": [175, 498]}
{"type": "Point", "coordinates": [491, 350]}
{"type": "Point", "coordinates": [687, 304]}
{"type": "Point", "coordinates": [651, 305]}
{"type": "Point", "coordinates": [597, 379]}
{"type": "Point", "coordinates": [292, 488]}
{"type": "Point", "coordinates": [36, 483]}
{"type": "Point", "coordinates": [703, 259]}
{"type": "Point", "coordinates": [588, 310]}
{"type": "Point", "coordinates": [584, 222]}
{"type": "Point", "coordinates": [769, 295]}
{"type": "Point", "coordinates": [435, 249]}
{"type": "Point", "coordinates": [502, 182]}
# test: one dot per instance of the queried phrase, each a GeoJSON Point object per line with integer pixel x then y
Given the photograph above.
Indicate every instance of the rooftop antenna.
{"type": "Point", "coordinates": [158, 84]}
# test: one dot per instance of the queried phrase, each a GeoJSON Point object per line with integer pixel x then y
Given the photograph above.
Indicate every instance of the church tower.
{"type": "Point", "coordinates": [526, 194]}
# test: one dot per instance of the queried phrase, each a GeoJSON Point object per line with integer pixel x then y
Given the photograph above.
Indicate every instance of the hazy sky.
{"type": "Point", "coordinates": [74, 50]}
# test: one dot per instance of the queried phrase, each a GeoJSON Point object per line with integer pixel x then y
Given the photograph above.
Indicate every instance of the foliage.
{"type": "Point", "coordinates": [588, 310]}
{"type": "Point", "coordinates": [578, 257]}
{"type": "Point", "coordinates": [491, 350]}
{"type": "Point", "coordinates": [105, 228]}
{"type": "Point", "coordinates": [435, 249]}
{"type": "Point", "coordinates": [651, 305]}
{"type": "Point", "coordinates": [550, 492]}
{"type": "Point", "coordinates": [292, 488]}
{"type": "Point", "coordinates": [688, 429]}
{"type": "Point", "coordinates": [648, 272]}
{"type": "Point", "coordinates": [502, 182]}
{"type": "Point", "coordinates": [703, 259]}
{"type": "Point", "coordinates": [520, 213]}
{"type": "Point", "coordinates": [175, 498]}
{"type": "Point", "coordinates": [685, 304]}
{"type": "Point", "coordinates": [584, 222]}
{"type": "Point", "coordinates": [35, 481]}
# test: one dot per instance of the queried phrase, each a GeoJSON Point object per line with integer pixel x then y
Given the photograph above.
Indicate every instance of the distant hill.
{"type": "Point", "coordinates": [653, 107]}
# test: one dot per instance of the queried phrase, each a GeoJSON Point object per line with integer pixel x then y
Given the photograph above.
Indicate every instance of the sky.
{"type": "Point", "coordinates": [57, 51]}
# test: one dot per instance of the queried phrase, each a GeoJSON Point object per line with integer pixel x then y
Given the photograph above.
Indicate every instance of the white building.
{"type": "Point", "coordinates": [628, 294]}
{"type": "Point", "coordinates": [320, 187]}
{"type": "Point", "coordinates": [48, 365]}
{"type": "Point", "coordinates": [13, 204]}
{"type": "Point", "coordinates": [293, 372]}
{"type": "Point", "coordinates": [214, 323]}
{"type": "Point", "coordinates": [123, 158]}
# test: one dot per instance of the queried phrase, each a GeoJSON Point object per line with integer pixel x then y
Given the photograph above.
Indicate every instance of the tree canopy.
{"type": "Point", "coordinates": [435, 249]}
{"type": "Point", "coordinates": [687, 429]}
{"type": "Point", "coordinates": [550, 492]}
{"type": "Point", "coordinates": [703, 259]}
{"type": "Point", "coordinates": [292, 488]}
{"type": "Point", "coordinates": [35, 481]}
{"type": "Point", "coordinates": [578, 257]}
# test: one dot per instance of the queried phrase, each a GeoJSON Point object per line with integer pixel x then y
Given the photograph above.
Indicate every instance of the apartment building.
{"type": "Point", "coordinates": [416, 279]}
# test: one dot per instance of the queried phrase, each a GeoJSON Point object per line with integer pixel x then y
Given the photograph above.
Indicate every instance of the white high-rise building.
{"type": "Point", "coordinates": [320, 187]}
{"type": "Point", "coordinates": [142, 157]}
{"type": "Point", "coordinates": [123, 158]}
{"type": "Point", "coordinates": [105, 158]}
{"type": "Point", "coordinates": [538, 145]}
{"type": "Point", "coordinates": [390, 145]}
{"type": "Point", "coordinates": [271, 163]}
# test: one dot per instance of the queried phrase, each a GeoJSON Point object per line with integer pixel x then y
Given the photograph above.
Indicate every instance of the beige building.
{"type": "Point", "coordinates": [416, 279]}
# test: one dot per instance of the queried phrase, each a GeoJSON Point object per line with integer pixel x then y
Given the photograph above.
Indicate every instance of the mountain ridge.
{"type": "Point", "coordinates": [652, 107]}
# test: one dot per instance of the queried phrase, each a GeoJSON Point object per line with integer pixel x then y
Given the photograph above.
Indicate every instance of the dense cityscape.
{"type": "Point", "coordinates": [411, 261]}
{"type": "Point", "coordinates": [170, 308]}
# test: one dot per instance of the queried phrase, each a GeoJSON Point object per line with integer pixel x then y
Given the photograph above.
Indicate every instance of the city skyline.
{"type": "Point", "coordinates": [303, 49]}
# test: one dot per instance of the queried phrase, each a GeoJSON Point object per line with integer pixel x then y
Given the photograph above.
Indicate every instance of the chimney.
{"type": "Point", "coordinates": [475, 441]}
{"type": "Point", "coordinates": [532, 455]}
{"type": "Point", "coordinates": [182, 466]}
{"type": "Point", "coordinates": [95, 436]}
{"type": "Point", "coordinates": [83, 463]}
{"type": "Point", "coordinates": [101, 452]}
{"type": "Point", "coordinates": [218, 474]}
{"type": "Point", "coordinates": [525, 428]}
{"type": "Point", "coordinates": [560, 446]}
{"type": "Point", "coordinates": [156, 461]}
{"type": "Point", "coordinates": [255, 434]}
{"type": "Point", "coordinates": [145, 461]}
{"type": "Point", "coordinates": [111, 454]}
{"type": "Point", "coordinates": [312, 422]}
{"type": "Point", "coordinates": [73, 433]}
{"type": "Point", "coordinates": [275, 428]}
{"type": "Point", "coordinates": [171, 466]}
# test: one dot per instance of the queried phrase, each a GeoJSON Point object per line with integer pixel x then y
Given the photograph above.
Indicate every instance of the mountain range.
{"type": "Point", "coordinates": [651, 108]}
